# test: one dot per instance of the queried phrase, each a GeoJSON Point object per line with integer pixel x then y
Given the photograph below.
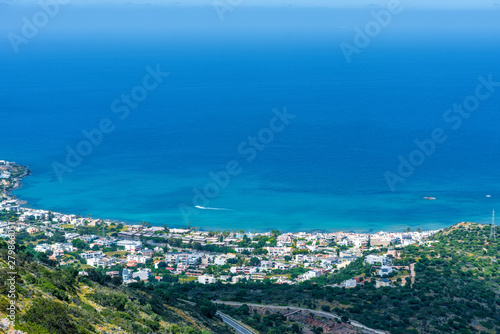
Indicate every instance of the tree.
{"type": "Point", "coordinates": [117, 281]}
{"type": "Point", "coordinates": [43, 258]}
{"type": "Point", "coordinates": [317, 330]}
{"type": "Point", "coordinates": [275, 233]}
{"type": "Point", "coordinates": [254, 261]}
{"type": "Point", "coordinates": [79, 243]}
{"type": "Point", "coordinates": [144, 224]}
{"type": "Point", "coordinates": [175, 242]}
{"type": "Point", "coordinates": [260, 251]}
{"type": "Point", "coordinates": [207, 308]}
{"type": "Point", "coordinates": [58, 237]}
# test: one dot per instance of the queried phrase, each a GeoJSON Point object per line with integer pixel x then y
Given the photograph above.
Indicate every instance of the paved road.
{"type": "Point", "coordinates": [412, 274]}
{"type": "Point", "coordinates": [291, 308]}
{"type": "Point", "coordinates": [236, 325]}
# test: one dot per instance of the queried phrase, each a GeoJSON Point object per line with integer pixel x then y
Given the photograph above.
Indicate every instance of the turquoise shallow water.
{"type": "Point", "coordinates": [324, 171]}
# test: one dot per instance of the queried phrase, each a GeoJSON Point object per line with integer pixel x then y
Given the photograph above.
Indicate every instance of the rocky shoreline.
{"type": "Point", "coordinates": [11, 175]}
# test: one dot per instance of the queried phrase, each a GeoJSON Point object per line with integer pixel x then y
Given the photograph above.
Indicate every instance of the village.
{"type": "Point", "coordinates": [141, 252]}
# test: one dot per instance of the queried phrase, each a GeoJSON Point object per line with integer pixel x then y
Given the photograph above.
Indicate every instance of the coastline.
{"type": "Point", "coordinates": [17, 183]}
{"type": "Point", "coordinates": [14, 180]}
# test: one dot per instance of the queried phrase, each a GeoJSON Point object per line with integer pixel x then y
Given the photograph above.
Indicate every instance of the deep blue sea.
{"type": "Point", "coordinates": [324, 171]}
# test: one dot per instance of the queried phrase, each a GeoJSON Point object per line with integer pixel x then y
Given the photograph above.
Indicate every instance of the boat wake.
{"type": "Point", "coordinates": [216, 209]}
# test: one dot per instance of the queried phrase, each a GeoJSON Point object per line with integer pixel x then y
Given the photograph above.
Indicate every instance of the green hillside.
{"type": "Point", "coordinates": [59, 301]}
{"type": "Point", "coordinates": [455, 290]}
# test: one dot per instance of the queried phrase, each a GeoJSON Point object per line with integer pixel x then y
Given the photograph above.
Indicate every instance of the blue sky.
{"type": "Point", "coordinates": [300, 3]}
{"type": "Point", "coordinates": [93, 19]}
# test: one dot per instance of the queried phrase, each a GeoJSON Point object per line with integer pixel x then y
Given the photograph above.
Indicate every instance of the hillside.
{"type": "Point", "coordinates": [59, 301]}
{"type": "Point", "coordinates": [455, 289]}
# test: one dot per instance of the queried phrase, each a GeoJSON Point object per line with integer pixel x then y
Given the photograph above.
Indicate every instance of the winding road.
{"type": "Point", "coordinates": [292, 308]}
{"type": "Point", "coordinates": [236, 325]}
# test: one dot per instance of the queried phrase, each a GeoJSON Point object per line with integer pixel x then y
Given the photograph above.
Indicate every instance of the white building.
{"type": "Point", "coordinates": [350, 283]}
{"type": "Point", "coordinates": [385, 270]}
{"type": "Point", "coordinates": [43, 248]}
{"type": "Point", "coordinates": [284, 239]}
{"type": "Point", "coordinates": [178, 230]}
{"type": "Point", "coordinates": [189, 259]}
{"type": "Point", "coordinates": [220, 260]}
{"type": "Point", "coordinates": [106, 242]}
{"type": "Point", "coordinates": [130, 245]}
{"type": "Point", "coordinates": [142, 274]}
{"type": "Point", "coordinates": [243, 270]}
{"type": "Point", "coordinates": [92, 255]}
{"type": "Point", "coordinates": [313, 274]}
{"type": "Point", "coordinates": [303, 258]}
{"type": "Point", "coordinates": [71, 236]}
{"type": "Point", "coordinates": [95, 262]}
{"type": "Point", "coordinates": [376, 259]}
{"type": "Point", "coordinates": [242, 249]}
{"type": "Point", "coordinates": [102, 262]}
{"type": "Point", "coordinates": [137, 257]}
{"type": "Point", "coordinates": [279, 251]}
{"type": "Point", "coordinates": [66, 247]}
{"type": "Point", "coordinates": [206, 279]}
{"type": "Point", "coordinates": [329, 263]}
{"type": "Point", "coordinates": [126, 275]}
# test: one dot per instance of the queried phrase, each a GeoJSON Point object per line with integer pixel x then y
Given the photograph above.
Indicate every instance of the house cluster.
{"type": "Point", "coordinates": [11, 205]}
{"type": "Point", "coordinates": [311, 274]}
{"type": "Point", "coordinates": [57, 249]}
{"type": "Point", "coordinates": [318, 253]}
{"type": "Point", "coordinates": [5, 167]}
{"type": "Point", "coordinates": [140, 251]}
{"type": "Point", "coordinates": [129, 276]}
{"type": "Point", "coordinates": [4, 228]}
{"type": "Point", "coordinates": [5, 175]}
{"type": "Point", "coordinates": [382, 269]}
